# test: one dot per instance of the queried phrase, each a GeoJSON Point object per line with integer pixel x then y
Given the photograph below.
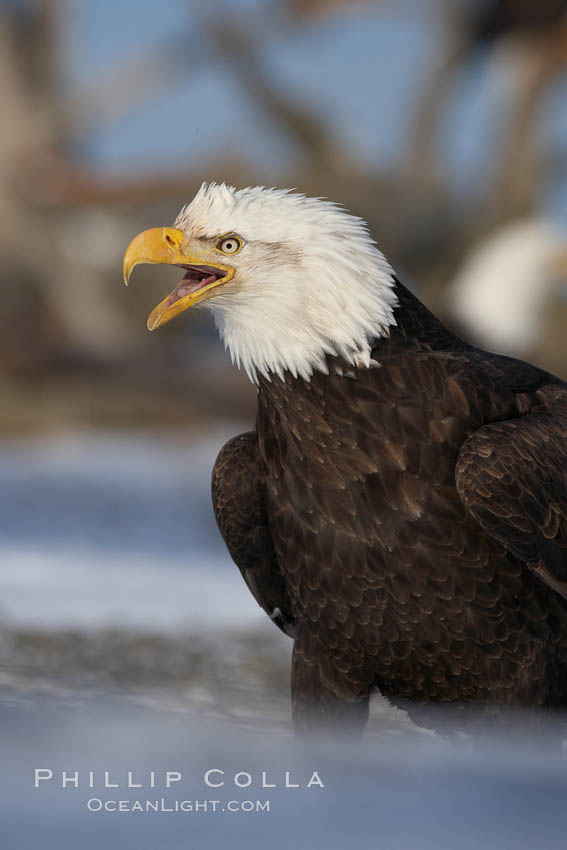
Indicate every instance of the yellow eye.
{"type": "Point", "coordinates": [229, 245]}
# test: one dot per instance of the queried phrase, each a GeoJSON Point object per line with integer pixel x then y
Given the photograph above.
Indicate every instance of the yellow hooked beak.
{"type": "Point", "coordinates": [164, 245]}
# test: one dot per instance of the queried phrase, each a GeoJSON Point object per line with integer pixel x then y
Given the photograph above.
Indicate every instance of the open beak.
{"type": "Point", "coordinates": [164, 245]}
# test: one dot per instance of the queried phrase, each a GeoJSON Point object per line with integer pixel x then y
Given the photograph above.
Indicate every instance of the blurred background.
{"type": "Point", "coordinates": [442, 122]}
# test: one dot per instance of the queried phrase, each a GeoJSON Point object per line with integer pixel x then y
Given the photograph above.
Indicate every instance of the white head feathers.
{"type": "Point", "coordinates": [309, 280]}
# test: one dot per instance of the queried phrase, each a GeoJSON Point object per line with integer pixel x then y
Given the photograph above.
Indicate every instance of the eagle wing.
{"type": "Point", "coordinates": [512, 478]}
{"type": "Point", "coordinates": [238, 503]}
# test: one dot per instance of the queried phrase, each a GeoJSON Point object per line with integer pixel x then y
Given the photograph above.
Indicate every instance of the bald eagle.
{"type": "Point", "coordinates": [501, 294]}
{"type": "Point", "coordinates": [400, 508]}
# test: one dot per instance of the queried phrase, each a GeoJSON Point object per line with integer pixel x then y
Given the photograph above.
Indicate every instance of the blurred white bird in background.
{"type": "Point", "coordinates": [502, 295]}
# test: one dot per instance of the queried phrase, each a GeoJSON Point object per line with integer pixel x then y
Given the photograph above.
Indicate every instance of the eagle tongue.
{"type": "Point", "coordinates": [187, 286]}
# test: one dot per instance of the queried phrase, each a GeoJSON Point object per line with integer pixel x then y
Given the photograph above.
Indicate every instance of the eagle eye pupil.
{"type": "Point", "coordinates": [230, 245]}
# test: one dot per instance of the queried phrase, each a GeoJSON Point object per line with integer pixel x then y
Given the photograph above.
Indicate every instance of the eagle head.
{"type": "Point", "coordinates": [289, 279]}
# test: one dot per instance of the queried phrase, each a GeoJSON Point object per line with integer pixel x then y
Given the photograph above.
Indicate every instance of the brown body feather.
{"type": "Point", "coordinates": [407, 524]}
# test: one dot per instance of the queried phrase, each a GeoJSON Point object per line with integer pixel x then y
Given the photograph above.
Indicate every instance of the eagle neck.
{"type": "Point", "coordinates": [417, 327]}
{"type": "Point", "coordinates": [284, 401]}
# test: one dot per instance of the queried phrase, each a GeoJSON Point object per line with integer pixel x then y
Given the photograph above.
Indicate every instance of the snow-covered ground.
{"type": "Point", "coordinates": [393, 793]}
{"type": "Point", "coordinates": [115, 529]}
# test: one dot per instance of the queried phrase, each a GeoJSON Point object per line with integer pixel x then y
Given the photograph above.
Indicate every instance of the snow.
{"type": "Point", "coordinates": [115, 529]}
